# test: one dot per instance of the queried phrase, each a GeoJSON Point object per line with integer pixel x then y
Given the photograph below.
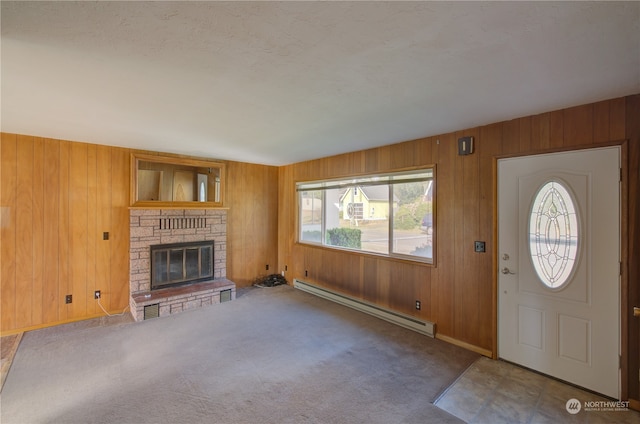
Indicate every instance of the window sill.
{"type": "Point", "coordinates": [382, 256]}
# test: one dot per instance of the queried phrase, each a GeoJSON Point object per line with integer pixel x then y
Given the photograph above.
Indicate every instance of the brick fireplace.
{"type": "Point", "coordinates": [151, 227]}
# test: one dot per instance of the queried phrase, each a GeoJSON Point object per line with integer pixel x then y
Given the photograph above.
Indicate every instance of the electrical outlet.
{"type": "Point", "coordinates": [105, 235]}
{"type": "Point", "coordinates": [479, 246]}
{"type": "Point", "coordinates": [96, 294]}
{"type": "Point", "coordinates": [418, 305]}
{"type": "Point", "coordinates": [267, 267]}
{"type": "Point", "coordinates": [68, 299]}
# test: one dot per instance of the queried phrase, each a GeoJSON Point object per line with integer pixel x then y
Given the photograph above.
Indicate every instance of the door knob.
{"type": "Point", "coordinates": [506, 271]}
{"type": "Point", "coordinates": [636, 311]}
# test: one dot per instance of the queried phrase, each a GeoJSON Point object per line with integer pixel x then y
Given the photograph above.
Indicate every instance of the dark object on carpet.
{"type": "Point", "coordinates": [270, 281]}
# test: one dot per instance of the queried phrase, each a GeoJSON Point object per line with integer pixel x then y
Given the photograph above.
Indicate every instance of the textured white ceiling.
{"type": "Point", "coordinates": [281, 82]}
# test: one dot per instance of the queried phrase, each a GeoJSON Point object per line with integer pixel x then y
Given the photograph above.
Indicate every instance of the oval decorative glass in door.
{"type": "Point", "coordinates": [553, 234]}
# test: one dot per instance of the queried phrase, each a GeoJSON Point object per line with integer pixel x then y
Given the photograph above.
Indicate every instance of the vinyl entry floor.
{"type": "Point", "coordinates": [499, 392]}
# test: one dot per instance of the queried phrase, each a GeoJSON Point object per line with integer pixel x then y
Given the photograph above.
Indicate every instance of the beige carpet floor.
{"type": "Point", "coordinates": [273, 355]}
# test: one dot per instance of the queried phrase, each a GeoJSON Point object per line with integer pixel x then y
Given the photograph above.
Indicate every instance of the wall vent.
{"type": "Point", "coordinates": [425, 327]}
{"type": "Point", "coordinates": [152, 311]}
{"type": "Point", "coordinates": [225, 295]}
{"type": "Point", "coordinates": [182, 223]}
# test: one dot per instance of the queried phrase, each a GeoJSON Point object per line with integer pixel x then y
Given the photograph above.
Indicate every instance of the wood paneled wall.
{"type": "Point", "coordinates": [631, 255]}
{"type": "Point", "coordinates": [57, 199]}
{"type": "Point", "coordinates": [458, 293]}
{"type": "Point", "coordinates": [252, 223]}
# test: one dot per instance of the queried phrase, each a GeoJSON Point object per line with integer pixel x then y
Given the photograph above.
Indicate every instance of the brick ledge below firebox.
{"type": "Point", "coordinates": [177, 299]}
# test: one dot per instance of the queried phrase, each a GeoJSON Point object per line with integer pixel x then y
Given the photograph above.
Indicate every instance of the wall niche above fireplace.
{"type": "Point", "coordinates": [163, 181]}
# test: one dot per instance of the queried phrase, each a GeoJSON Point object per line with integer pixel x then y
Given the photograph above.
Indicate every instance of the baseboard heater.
{"type": "Point", "coordinates": [406, 321]}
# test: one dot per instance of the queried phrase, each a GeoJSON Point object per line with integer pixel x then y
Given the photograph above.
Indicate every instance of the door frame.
{"type": "Point", "coordinates": [626, 309]}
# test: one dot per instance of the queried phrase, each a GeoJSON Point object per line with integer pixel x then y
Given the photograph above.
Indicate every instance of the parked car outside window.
{"type": "Point", "coordinates": [427, 223]}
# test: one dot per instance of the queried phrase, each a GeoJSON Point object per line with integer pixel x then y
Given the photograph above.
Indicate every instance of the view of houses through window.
{"type": "Point", "coordinates": [389, 214]}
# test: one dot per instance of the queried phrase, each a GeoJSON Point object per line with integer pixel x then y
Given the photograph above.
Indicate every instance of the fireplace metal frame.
{"type": "Point", "coordinates": [168, 248]}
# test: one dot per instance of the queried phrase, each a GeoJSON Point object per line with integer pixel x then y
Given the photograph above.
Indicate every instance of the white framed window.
{"type": "Point", "coordinates": [384, 214]}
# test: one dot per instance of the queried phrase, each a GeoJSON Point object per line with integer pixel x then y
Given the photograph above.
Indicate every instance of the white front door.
{"type": "Point", "coordinates": [559, 265]}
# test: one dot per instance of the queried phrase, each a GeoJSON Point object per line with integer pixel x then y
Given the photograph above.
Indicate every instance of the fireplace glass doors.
{"type": "Point", "coordinates": [181, 264]}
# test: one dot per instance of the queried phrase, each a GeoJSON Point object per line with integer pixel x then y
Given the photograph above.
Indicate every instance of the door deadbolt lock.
{"type": "Point", "coordinates": [505, 257]}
